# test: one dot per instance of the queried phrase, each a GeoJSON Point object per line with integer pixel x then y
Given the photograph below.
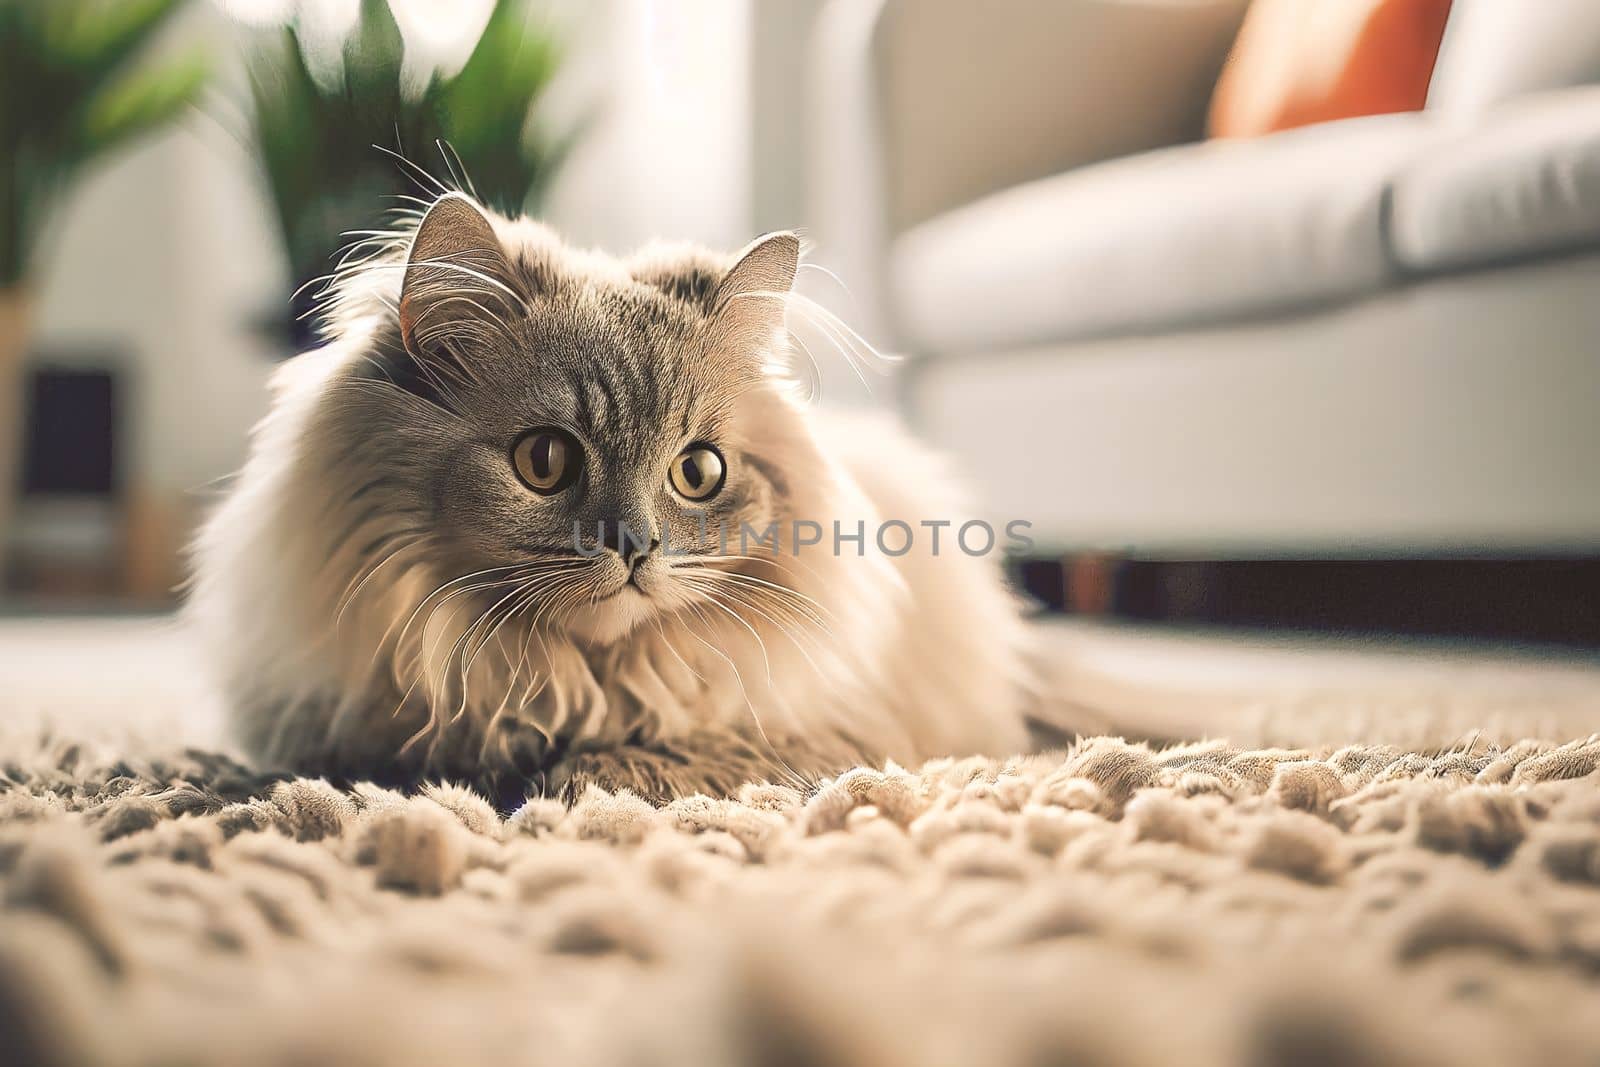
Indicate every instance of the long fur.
{"type": "Point", "coordinates": [367, 592]}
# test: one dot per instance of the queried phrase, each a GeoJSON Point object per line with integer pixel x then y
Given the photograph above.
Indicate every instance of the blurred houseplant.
{"type": "Point", "coordinates": [318, 127]}
{"type": "Point", "coordinates": [75, 83]}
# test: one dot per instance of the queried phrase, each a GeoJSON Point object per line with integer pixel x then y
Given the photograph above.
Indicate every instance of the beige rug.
{"type": "Point", "coordinates": [1105, 905]}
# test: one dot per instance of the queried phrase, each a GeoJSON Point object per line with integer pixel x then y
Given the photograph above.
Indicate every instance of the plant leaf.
{"type": "Point", "coordinates": [315, 141]}
{"type": "Point", "coordinates": [71, 86]}
{"type": "Point", "coordinates": [141, 100]}
{"type": "Point", "coordinates": [98, 37]}
{"type": "Point", "coordinates": [373, 55]}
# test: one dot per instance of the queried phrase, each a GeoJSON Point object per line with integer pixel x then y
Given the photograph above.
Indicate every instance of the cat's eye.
{"type": "Point", "coordinates": [698, 472]}
{"type": "Point", "coordinates": [547, 461]}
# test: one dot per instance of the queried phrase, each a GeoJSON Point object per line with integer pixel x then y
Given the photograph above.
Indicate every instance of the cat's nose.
{"type": "Point", "coordinates": [627, 540]}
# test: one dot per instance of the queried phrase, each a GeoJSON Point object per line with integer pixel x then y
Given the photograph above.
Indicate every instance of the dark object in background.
{"type": "Point", "coordinates": [1554, 601]}
{"type": "Point", "coordinates": [67, 540]}
{"type": "Point", "coordinates": [71, 441]}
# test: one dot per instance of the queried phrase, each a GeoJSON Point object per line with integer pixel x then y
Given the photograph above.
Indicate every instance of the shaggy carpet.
{"type": "Point", "coordinates": [1104, 904]}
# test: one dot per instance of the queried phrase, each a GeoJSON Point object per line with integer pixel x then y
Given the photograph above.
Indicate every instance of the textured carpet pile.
{"type": "Point", "coordinates": [1109, 904]}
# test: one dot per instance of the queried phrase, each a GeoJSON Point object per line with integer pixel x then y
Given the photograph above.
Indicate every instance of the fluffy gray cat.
{"type": "Point", "coordinates": [395, 588]}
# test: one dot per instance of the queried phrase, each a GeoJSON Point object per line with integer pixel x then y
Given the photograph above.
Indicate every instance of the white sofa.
{"type": "Point", "coordinates": [1375, 337]}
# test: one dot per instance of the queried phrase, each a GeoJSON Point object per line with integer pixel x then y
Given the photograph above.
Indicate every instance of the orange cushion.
{"type": "Point", "coordinates": [1302, 61]}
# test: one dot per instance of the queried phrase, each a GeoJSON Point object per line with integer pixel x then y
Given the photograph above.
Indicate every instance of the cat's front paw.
{"type": "Point", "coordinates": [640, 771]}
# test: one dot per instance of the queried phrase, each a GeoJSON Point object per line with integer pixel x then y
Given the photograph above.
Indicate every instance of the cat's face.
{"type": "Point", "coordinates": [601, 431]}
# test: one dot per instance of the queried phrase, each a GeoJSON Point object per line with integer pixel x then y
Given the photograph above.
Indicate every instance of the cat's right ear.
{"type": "Point", "coordinates": [457, 277]}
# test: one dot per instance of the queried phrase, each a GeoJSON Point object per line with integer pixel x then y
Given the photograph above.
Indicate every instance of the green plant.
{"type": "Point", "coordinates": [74, 86]}
{"type": "Point", "coordinates": [319, 140]}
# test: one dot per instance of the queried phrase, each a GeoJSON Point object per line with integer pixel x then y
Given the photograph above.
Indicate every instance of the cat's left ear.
{"type": "Point", "coordinates": [456, 275]}
{"type": "Point", "coordinates": [758, 283]}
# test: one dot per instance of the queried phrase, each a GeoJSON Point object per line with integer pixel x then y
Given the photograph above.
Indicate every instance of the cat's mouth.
{"type": "Point", "coordinates": [616, 613]}
{"type": "Point", "coordinates": [631, 588]}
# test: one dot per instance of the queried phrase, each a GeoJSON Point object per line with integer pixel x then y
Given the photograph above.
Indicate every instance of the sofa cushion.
{"type": "Point", "coordinates": [1298, 62]}
{"type": "Point", "coordinates": [1495, 50]}
{"type": "Point", "coordinates": [1523, 182]}
{"type": "Point", "coordinates": [1175, 237]}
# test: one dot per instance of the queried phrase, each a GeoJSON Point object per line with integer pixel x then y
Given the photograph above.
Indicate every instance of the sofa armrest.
{"type": "Point", "coordinates": [920, 106]}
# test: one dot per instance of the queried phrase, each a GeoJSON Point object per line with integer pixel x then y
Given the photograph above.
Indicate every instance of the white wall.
{"type": "Point", "coordinates": [668, 154]}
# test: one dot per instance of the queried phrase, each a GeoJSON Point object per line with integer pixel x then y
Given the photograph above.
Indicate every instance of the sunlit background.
{"type": "Point", "coordinates": [1327, 307]}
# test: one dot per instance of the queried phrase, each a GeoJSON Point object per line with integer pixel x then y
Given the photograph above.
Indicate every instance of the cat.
{"type": "Point", "coordinates": [398, 586]}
